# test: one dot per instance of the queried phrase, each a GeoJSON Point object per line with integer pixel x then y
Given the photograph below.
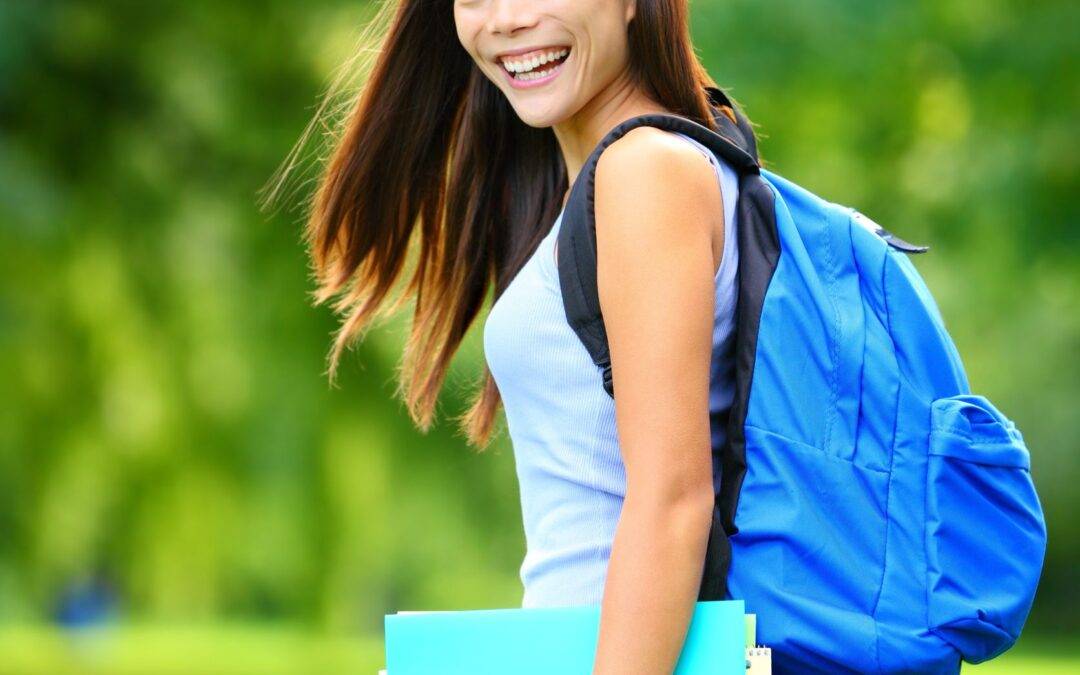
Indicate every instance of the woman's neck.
{"type": "Point", "coordinates": [579, 134]}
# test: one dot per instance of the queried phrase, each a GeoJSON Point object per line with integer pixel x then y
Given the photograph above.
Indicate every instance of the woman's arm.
{"type": "Point", "coordinates": [658, 202]}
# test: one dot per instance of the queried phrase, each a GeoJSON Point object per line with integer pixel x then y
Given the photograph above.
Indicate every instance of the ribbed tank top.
{"type": "Point", "coordinates": [561, 422]}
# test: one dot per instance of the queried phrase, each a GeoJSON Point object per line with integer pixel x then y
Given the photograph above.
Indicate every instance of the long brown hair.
{"type": "Point", "coordinates": [430, 149]}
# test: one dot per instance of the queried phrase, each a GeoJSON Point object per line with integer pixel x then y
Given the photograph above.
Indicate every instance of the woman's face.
{"type": "Point", "coordinates": [549, 57]}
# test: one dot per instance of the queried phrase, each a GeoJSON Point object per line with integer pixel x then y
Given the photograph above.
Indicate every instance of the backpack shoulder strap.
{"type": "Point", "coordinates": [577, 233]}
{"type": "Point", "coordinates": [734, 142]}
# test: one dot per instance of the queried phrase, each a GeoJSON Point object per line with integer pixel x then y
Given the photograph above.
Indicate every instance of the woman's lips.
{"type": "Point", "coordinates": [540, 81]}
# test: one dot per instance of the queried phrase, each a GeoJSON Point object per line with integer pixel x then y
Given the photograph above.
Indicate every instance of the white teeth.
{"type": "Point", "coordinates": [533, 75]}
{"type": "Point", "coordinates": [527, 65]}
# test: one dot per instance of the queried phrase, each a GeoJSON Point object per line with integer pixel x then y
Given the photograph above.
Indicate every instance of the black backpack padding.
{"type": "Point", "coordinates": [759, 251]}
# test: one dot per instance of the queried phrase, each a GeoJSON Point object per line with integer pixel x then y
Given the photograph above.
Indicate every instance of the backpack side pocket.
{"type": "Point", "coordinates": [985, 532]}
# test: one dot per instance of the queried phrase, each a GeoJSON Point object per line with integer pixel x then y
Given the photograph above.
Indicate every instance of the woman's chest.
{"type": "Point", "coordinates": [530, 348]}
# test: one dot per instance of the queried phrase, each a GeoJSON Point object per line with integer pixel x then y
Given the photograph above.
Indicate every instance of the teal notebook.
{"type": "Point", "coordinates": [546, 640]}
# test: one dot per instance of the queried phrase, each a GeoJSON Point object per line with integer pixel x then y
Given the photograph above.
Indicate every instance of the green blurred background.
{"type": "Point", "coordinates": [180, 489]}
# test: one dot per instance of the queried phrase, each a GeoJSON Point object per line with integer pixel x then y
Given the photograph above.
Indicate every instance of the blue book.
{"type": "Point", "coordinates": [546, 640]}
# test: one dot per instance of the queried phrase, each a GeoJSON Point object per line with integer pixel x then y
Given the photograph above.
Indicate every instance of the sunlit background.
{"type": "Point", "coordinates": [180, 489]}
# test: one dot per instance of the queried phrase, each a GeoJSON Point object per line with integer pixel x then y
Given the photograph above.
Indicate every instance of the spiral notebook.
{"type": "Point", "coordinates": [544, 640]}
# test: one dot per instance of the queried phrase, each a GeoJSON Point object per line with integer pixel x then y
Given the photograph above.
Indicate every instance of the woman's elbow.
{"type": "Point", "coordinates": [684, 511]}
{"type": "Point", "coordinates": [696, 510]}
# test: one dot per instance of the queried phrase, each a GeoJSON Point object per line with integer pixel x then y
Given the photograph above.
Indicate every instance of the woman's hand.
{"type": "Point", "coordinates": [658, 211]}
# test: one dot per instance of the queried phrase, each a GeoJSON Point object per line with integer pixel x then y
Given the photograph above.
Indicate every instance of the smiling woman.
{"type": "Point", "coordinates": [475, 121]}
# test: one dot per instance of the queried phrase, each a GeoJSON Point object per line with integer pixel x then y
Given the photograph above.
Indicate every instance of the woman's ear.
{"type": "Point", "coordinates": [631, 9]}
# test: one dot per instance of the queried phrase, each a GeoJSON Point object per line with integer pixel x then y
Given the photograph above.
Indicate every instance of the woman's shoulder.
{"type": "Point", "coordinates": [650, 171]}
{"type": "Point", "coordinates": [656, 152]}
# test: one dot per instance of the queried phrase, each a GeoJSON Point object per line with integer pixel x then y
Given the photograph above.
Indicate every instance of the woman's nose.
{"type": "Point", "coordinates": [507, 17]}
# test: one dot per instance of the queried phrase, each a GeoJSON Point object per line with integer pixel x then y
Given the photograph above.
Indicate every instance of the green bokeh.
{"type": "Point", "coordinates": [166, 427]}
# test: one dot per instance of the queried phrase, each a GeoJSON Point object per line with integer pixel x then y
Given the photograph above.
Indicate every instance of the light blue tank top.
{"type": "Point", "coordinates": [561, 422]}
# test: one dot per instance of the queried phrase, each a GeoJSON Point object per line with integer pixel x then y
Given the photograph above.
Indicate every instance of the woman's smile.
{"type": "Point", "coordinates": [534, 68]}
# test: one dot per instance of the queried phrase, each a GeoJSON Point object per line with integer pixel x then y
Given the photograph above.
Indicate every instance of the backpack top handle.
{"type": "Point", "coordinates": [732, 123]}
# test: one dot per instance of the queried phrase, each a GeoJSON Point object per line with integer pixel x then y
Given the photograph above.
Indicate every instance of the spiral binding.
{"type": "Point", "coordinates": [759, 660]}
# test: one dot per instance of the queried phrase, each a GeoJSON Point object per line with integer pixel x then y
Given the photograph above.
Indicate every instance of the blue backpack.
{"type": "Point", "coordinates": [873, 513]}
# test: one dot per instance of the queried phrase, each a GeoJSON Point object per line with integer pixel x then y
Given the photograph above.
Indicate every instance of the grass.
{"type": "Point", "coordinates": [174, 650]}
{"type": "Point", "coordinates": [251, 649]}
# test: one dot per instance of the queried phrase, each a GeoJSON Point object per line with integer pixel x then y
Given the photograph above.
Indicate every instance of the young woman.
{"type": "Point", "coordinates": [468, 133]}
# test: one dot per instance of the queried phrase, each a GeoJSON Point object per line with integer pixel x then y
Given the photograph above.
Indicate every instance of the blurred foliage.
{"type": "Point", "coordinates": [168, 440]}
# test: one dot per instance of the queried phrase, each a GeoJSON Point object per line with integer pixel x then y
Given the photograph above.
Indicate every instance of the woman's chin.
{"type": "Point", "coordinates": [538, 115]}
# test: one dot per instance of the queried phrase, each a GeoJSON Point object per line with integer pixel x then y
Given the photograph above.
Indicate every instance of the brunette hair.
{"type": "Point", "coordinates": [430, 149]}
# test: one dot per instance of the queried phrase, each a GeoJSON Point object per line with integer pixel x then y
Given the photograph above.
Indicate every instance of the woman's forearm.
{"type": "Point", "coordinates": [653, 579]}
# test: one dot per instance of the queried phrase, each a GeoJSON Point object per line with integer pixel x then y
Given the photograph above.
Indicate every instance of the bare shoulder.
{"type": "Point", "coordinates": [646, 154]}
{"type": "Point", "coordinates": [650, 181]}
